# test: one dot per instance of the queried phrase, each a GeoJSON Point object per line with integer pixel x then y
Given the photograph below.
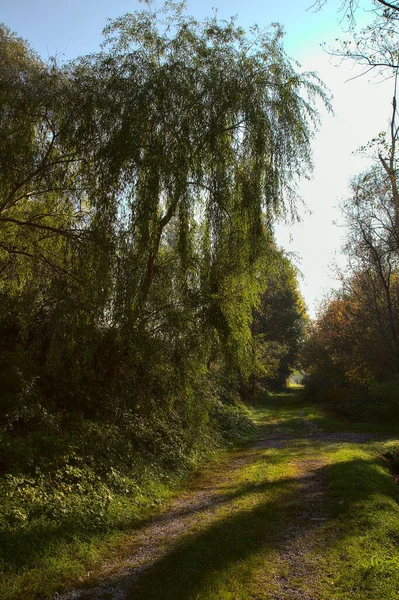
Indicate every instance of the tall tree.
{"type": "Point", "coordinates": [201, 123]}
{"type": "Point", "coordinates": [148, 173]}
{"type": "Point", "coordinates": [279, 320]}
{"type": "Point", "coordinates": [40, 205]}
{"type": "Point", "coordinates": [372, 249]}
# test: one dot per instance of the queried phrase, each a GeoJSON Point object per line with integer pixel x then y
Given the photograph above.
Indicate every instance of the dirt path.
{"type": "Point", "coordinates": [149, 545]}
{"type": "Point", "coordinates": [302, 547]}
{"type": "Point", "coordinates": [301, 510]}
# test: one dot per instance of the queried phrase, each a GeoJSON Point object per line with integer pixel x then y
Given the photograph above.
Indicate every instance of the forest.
{"type": "Point", "coordinates": [146, 308]}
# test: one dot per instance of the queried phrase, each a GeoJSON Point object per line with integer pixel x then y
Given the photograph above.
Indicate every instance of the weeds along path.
{"type": "Point", "coordinates": [258, 525]}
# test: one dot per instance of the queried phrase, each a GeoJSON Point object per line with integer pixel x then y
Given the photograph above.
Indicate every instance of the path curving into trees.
{"type": "Point", "coordinates": [265, 522]}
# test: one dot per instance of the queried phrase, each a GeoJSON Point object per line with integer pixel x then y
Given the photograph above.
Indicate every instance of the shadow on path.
{"type": "Point", "coordinates": [190, 551]}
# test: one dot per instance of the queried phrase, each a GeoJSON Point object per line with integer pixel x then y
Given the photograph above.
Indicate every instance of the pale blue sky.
{"type": "Point", "coordinates": [73, 27]}
{"type": "Point", "coordinates": [69, 28]}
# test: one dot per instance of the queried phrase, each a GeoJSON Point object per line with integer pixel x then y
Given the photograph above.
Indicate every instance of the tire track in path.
{"type": "Point", "coordinates": [299, 543]}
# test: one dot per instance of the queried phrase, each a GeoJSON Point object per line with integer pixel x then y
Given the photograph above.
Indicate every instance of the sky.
{"type": "Point", "coordinates": [69, 28]}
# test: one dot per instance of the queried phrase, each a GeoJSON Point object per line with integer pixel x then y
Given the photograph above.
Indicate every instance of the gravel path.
{"type": "Point", "coordinates": [197, 505]}
{"type": "Point", "coordinates": [301, 547]}
{"type": "Point", "coordinates": [298, 547]}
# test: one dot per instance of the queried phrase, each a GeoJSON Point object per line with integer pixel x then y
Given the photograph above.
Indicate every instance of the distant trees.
{"type": "Point", "coordinates": [279, 321]}
{"type": "Point", "coordinates": [354, 343]}
{"type": "Point", "coordinates": [350, 341]}
{"type": "Point", "coordinates": [355, 340]}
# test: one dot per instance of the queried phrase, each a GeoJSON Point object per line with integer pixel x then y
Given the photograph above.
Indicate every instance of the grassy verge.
{"type": "Point", "coordinates": [309, 512]}
{"type": "Point", "coordinates": [255, 546]}
{"type": "Point", "coordinates": [363, 528]}
{"type": "Point", "coordinates": [66, 511]}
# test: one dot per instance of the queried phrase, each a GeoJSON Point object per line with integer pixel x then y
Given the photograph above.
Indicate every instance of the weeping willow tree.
{"type": "Point", "coordinates": [201, 128]}
{"type": "Point", "coordinates": [150, 177]}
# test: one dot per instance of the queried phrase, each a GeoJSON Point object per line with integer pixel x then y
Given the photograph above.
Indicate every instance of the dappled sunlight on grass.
{"type": "Point", "coordinates": [309, 510]}
{"type": "Point", "coordinates": [242, 554]}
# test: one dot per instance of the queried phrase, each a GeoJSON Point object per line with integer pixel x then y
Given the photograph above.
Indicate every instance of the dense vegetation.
{"type": "Point", "coordinates": [144, 299]}
{"type": "Point", "coordinates": [141, 288]}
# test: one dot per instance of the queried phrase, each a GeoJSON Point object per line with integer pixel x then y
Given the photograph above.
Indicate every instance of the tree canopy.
{"type": "Point", "coordinates": [141, 288]}
{"type": "Point", "coordinates": [138, 188]}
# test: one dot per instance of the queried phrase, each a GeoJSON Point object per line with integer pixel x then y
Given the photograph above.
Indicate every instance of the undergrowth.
{"type": "Point", "coordinates": [377, 402]}
{"type": "Point", "coordinates": [72, 486]}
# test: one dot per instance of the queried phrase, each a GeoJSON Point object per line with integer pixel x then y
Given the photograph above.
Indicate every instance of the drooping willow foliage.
{"type": "Point", "coordinates": [138, 187]}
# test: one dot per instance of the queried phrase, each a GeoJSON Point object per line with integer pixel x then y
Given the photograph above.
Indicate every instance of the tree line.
{"type": "Point", "coordinates": [352, 352]}
{"type": "Point", "coordinates": [139, 278]}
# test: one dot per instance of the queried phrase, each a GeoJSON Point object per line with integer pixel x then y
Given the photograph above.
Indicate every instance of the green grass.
{"type": "Point", "coordinates": [41, 556]}
{"type": "Point", "coordinates": [364, 522]}
{"type": "Point", "coordinates": [235, 555]}
{"type": "Point", "coordinates": [237, 550]}
{"type": "Point", "coordinates": [64, 513]}
{"type": "Point", "coordinates": [240, 555]}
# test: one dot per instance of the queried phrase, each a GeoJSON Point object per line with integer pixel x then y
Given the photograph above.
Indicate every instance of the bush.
{"type": "Point", "coordinates": [379, 401]}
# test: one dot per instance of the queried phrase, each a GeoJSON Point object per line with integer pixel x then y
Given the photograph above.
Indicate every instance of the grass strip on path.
{"type": "Point", "coordinates": [309, 512]}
